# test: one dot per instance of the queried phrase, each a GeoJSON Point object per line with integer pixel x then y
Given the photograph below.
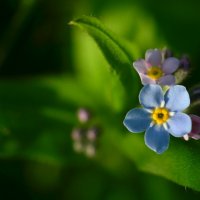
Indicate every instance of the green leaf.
{"type": "Point", "coordinates": [180, 163]}
{"type": "Point", "coordinates": [117, 53]}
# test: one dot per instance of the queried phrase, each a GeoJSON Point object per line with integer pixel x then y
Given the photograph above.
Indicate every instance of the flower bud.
{"type": "Point", "coordinates": [78, 146]}
{"type": "Point", "coordinates": [83, 115]}
{"type": "Point", "coordinates": [90, 150]}
{"type": "Point", "coordinates": [76, 134]}
{"type": "Point", "coordinates": [184, 63]}
{"type": "Point", "coordinates": [195, 133]}
{"type": "Point", "coordinates": [92, 134]}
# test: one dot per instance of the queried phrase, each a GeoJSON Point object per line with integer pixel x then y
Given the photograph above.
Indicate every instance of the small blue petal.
{"type": "Point", "coordinates": [177, 98]}
{"type": "Point", "coordinates": [151, 96]}
{"type": "Point", "coordinates": [137, 120]}
{"type": "Point", "coordinates": [179, 125]}
{"type": "Point", "coordinates": [157, 139]}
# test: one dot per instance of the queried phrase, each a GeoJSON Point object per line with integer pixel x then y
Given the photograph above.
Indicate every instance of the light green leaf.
{"type": "Point", "coordinates": [117, 53]}
{"type": "Point", "coordinates": [180, 163]}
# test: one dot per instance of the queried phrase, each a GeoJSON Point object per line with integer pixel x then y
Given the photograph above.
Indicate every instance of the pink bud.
{"type": "Point", "coordinates": [83, 115]}
{"type": "Point", "coordinates": [76, 134]}
{"type": "Point", "coordinates": [195, 133]}
{"type": "Point", "coordinates": [92, 134]}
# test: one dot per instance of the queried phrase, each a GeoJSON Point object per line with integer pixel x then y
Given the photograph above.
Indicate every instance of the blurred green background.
{"type": "Point", "coordinates": [48, 70]}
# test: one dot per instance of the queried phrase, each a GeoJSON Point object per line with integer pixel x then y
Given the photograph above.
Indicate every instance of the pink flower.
{"type": "Point", "coordinates": [155, 69]}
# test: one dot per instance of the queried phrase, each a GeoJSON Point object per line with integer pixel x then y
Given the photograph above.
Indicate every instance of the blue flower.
{"type": "Point", "coordinates": [161, 116]}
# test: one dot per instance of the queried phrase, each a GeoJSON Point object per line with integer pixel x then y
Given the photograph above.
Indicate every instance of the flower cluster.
{"type": "Point", "coordinates": [85, 137]}
{"type": "Point", "coordinates": [85, 140]}
{"type": "Point", "coordinates": [162, 109]}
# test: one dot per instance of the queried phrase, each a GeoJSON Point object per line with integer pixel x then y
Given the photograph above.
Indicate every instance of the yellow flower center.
{"type": "Point", "coordinates": [160, 115]}
{"type": "Point", "coordinates": [155, 73]}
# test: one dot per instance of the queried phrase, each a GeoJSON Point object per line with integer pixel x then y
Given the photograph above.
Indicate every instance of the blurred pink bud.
{"type": "Point", "coordinates": [78, 146]}
{"type": "Point", "coordinates": [76, 134]}
{"type": "Point", "coordinates": [90, 150]}
{"type": "Point", "coordinates": [83, 115]}
{"type": "Point", "coordinates": [92, 134]}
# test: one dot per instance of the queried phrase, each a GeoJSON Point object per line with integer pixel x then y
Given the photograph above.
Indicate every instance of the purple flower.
{"type": "Point", "coordinates": [161, 116]}
{"type": "Point", "coordinates": [155, 69]}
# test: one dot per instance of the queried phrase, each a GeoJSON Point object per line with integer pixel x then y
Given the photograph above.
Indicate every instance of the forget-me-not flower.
{"type": "Point", "coordinates": [155, 69]}
{"type": "Point", "coordinates": [161, 115]}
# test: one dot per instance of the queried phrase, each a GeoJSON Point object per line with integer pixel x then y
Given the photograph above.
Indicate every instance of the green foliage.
{"type": "Point", "coordinates": [180, 163]}
{"type": "Point", "coordinates": [117, 53]}
{"type": "Point", "coordinates": [35, 121]}
{"type": "Point", "coordinates": [38, 125]}
{"type": "Point", "coordinates": [37, 115]}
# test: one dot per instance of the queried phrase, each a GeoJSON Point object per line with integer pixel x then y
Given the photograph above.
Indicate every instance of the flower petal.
{"type": "Point", "coordinates": [167, 80]}
{"type": "Point", "coordinates": [140, 66]}
{"type": "Point", "coordinates": [151, 96]}
{"type": "Point", "coordinates": [157, 139]}
{"type": "Point", "coordinates": [179, 125]}
{"type": "Point", "coordinates": [154, 57]}
{"type": "Point", "coordinates": [137, 120]}
{"type": "Point", "coordinates": [177, 98]}
{"type": "Point", "coordinates": [170, 65]}
{"type": "Point", "coordinates": [146, 80]}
